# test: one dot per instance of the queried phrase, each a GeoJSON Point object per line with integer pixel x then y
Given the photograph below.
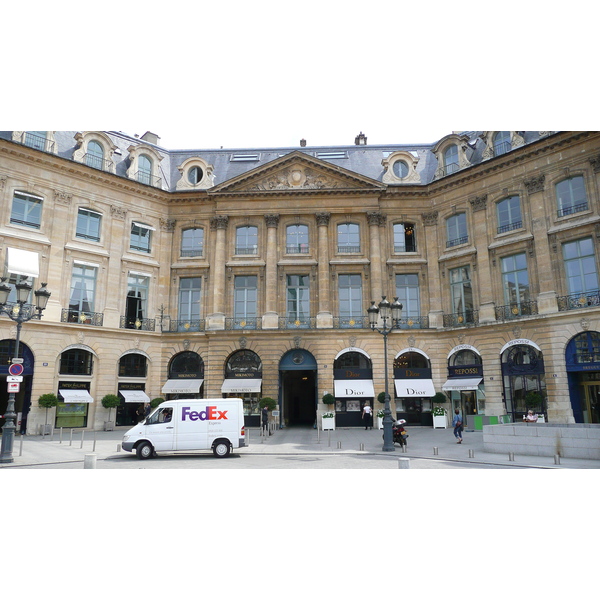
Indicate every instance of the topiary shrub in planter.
{"type": "Point", "coordinates": [328, 399]}
{"type": "Point", "coordinates": [110, 401]}
{"type": "Point", "coordinates": [268, 402]}
{"type": "Point", "coordinates": [440, 398]}
{"type": "Point", "coordinates": [155, 402]}
{"type": "Point", "coordinates": [381, 397]}
{"type": "Point", "coordinates": [47, 401]}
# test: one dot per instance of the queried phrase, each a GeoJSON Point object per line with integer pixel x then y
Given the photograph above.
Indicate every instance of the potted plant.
{"type": "Point", "coordinates": [328, 420]}
{"type": "Point", "coordinates": [380, 415]}
{"type": "Point", "coordinates": [47, 401]}
{"type": "Point", "coordinates": [155, 402]}
{"type": "Point", "coordinates": [328, 399]}
{"type": "Point", "coordinates": [110, 401]}
{"type": "Point", "coordinates": [439, 412]}
{"type": "Point", "coordinates": [268, 402]}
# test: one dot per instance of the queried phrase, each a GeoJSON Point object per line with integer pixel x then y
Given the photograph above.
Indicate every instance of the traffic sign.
{"type": "Point", "coordinates": [13, 388]}
{"type": "Point", "coordinates": [16, 369]}
{"type": "Point", "coordinates": [14, 378]}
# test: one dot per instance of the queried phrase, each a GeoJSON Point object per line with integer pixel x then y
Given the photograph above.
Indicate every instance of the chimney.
{"type": "Point", "coordinates": [360, 139]}
{"type": "Point", "coordinates": [151, 138]}
{"type": "Point", "coordinates": [302, 143]}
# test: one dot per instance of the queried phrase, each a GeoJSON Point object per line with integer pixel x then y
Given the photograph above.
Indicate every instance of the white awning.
{"type": "Point", "coordinates": [134, 396]}
{"type": "Point", "coordinates": [462, 384]}
{"type": "Point", "coordinates": [76, 396]}
{"type": "Point", "coordinates": [407, 388]}
{"type": "Point", "coordinates": [354, 388]}
{"type": "Point", "coordinates": [182, 386]}
{"type": "Point", "coordinates": [22, 262]}
{"type": "Point", "coordinates": [241, 386]}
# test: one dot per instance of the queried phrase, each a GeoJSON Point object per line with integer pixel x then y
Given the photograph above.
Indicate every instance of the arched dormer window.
{"type": "Point", "coordinates": [452, 153]}
{"type": "Point", "coordinates": [144, 165]}
{"type": "Point", "coordinates": [500, 142]}
{"type": "Point", "coordinates": [451, 159]}
{"type": "Point", "coordinates": [95, 150]}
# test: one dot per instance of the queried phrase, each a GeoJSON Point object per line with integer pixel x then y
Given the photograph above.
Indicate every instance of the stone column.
{"type": "Point", "coordinates": [545, 261]}
{"type": "Point", "coordinates": [270, 317]}
{"type": "Point", "coordinates": [487, 313]}
{"type": "Point", "coordinates": [216, 320]}
{"type": "Point", "coordinates": [324, 316]}
{"type": "Point", "coordinates": [431, 243]}
{"type": "Point", "coordinates": [376, 220]}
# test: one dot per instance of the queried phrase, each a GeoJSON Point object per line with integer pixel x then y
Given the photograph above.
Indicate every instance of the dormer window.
{"type": "Point", "coordinates": [196, 174]}
{"type": "Point", "coordinates": [501, 142]}
{"type": "Point", "coordinates": [144, 165]}
{"type": "Point", "coordinates": [451, 159]}
{"type": "Point", "coordinates": [95, 150]}
{"type": "Point", "coordinates": [144, 173]}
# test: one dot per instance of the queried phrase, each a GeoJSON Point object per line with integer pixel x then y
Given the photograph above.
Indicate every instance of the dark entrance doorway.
{"type": "Point", "coordinates": [298, 388]}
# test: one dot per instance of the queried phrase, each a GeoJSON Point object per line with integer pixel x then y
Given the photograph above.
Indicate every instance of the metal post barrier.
{"type": "Point", "coordinates": [94, 446]}
{"type": "Point", "coordinates": [118, 447]}
{"type": "Point", "coordinates": [329, 437]}
{"type": "Point", "coordinates": [404, 449]}
{"type": "Point", "coordinates": [511, 456]}
{"type": "Point", "coordinates": [339, 445]}
{"type": "Point", "coordinates": [471, 453]}
{"type": "Point", "coordinates": [21, 445]}
{"type": "Point", "coordinates": [404, 463]}
{"type": "Point", "coordinates": [435, 450]}
{"type": "Point", "coordinates": [60, 436]}
{"type": "Point", "coordinates": [361, 447]}
{"type": "Point", "coordinates": [318, 436]}
{"type": "Point", "coordinates": [557, 459]}
{"type": "Point", "coordinates": [89, 461]}
{"type": "Point", "coordinates": [82, 433]}
{"type": "Point", "coordinates": [71, 438]}
{"type": "Point", "coordinates": [52, 433]}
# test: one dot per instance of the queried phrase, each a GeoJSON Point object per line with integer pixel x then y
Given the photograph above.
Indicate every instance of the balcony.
{"type": "Point", "coordinates": [463, 319]}
{"type": "Point", "coordinates": [95, 162]}
{"type": "Point", "coordinates": [243, 323]}
{"type": "Point", "coordinates": [348, 249]}
{"type": "Point", "coordinates": [297, 322]}
{"type": "Point", "coordinates": [186, 325]}
{"type": "Point", "coordinates": [515, 311]}
{"type": "Point", "coordinates": [414, 323]}
{"type": "Point", "coordinates": [38, 142]}
{"type": "Point", "coordinates": [81, 317]}
{"type": "Point", "coordinates": [139, 324]}
{"type": "Point", "coordinates": [510, 226]}
{"type": "Point", "coordinates": [246, 250]}
{"type": "Point", "coordinates": [457, 241]}
{"type": "Point", "coordinates": [351, 322]}
{"type": "Point", "coordinates": [570, 210]}
{"type": "Point", "coordinates": [581, 300]}
{"type": "Point", "coordinates": [194, 253]}
{"type": "Point", "coordinates": [297, 249]}
{"type": "Point", "coordinates": [147, 179]}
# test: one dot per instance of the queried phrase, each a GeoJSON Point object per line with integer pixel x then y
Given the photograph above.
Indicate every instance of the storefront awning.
{"type": "Point", "coordinates": [359, 388]}
{"type": "Point", "coordinates": [182, 386]}
{"type": "Point", "coordinates": [22, 262]}
{"type": "Point", "coordinates": [76, 396]}
{"type": "Point", "coordinates": [408, 388]}
{"type": "Point", "coordinates": [462, 384]}
{"type": "Point", "coordinates": [134, 396]}
{"type": "Point", "coordinates": [241, 386]}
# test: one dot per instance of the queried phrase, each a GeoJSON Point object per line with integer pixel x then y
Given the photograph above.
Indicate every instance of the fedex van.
{"type": "Point", "coordinates": [215, 424]}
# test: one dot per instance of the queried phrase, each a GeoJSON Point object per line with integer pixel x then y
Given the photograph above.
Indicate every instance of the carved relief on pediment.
{"type": "Point", "coordinates": [295, 177]}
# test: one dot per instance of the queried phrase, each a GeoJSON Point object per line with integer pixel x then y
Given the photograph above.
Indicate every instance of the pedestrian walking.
{"type": "Point", "coordinates": [368, 415]}
{"type": "Point", "coordinates": [265, 419]}
{"type": "Point", "coordinates": [457, 423]}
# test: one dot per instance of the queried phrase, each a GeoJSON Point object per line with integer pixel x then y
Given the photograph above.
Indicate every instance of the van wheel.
{"type": "Point", "coordinates": [221, 449]}
{"type": "Point", "coordinates": [144, 450]}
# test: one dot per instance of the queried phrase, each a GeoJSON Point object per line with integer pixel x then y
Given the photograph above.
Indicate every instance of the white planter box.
{"type": "Point", "coordinates": [328, 423]}
{"type": "Point", "coordinates": [379, 423]}
{"type": "Point", "coordinates": [439, 421]}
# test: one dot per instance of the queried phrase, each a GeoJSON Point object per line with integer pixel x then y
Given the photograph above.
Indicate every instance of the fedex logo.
{"type": "Point", "coordinates": [210, 414]}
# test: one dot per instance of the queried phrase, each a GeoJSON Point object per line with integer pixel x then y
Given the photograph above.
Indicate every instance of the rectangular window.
{"type": "Point", "coordinates": [461, 292]}
{"type": "Point", "coordinates": [189, 298]}
{"type": "Point", "coordinates": [136, 302]}
{"type": "Point", "coordinates": [580, 266]}
{"type": "Point", "coordinates": [88, 225]}
{"type": "Point", "coordinates": [407, 290]}
{"type": "Point", "coordinates": [348, 238]}
{"type": "Point", "coordinates": [26, 210]}
{"type": "Point", "coordinates": [192, 242]}
{"type": "Point", "coordinates": [298, 299]}
{"type": "Point", "coordinates": [245, 297]}
{"type": "Point", "coordinates": [141, 237]}
{"type": "Point", "coordinates": [351, 301]}
{"type": "Point", "coordinates": [515, 279]}
{"type": "Point", "coordinates": [246, 240]}
{"type": "Point", "coordinates": [509, 214]}
{"type": "Point", "coordinates": [456, 230]}
{"type": "Point", "coordinates": [83, 291]}
{"type": "Point", "coordinates": [571, 196]}
{"type": "Point", "coordinates": [296, 239]}
{"type": "Point", "coordinates": [404, 237]}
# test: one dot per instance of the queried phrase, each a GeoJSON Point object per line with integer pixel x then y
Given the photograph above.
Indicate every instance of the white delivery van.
{"type": "Point", "coordinates": [215, 424]}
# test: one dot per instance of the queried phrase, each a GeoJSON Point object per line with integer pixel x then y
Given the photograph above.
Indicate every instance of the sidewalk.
{"type": "Point", "coordinates": [35, 450]}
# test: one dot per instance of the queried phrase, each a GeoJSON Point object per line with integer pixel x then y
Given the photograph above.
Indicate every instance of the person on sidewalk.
{"type": "Point", "coordinates": [265, 419]}
{"type": "Point", "coordinates": [457, 424]}
{"type": "Point", "coordinates": [368, 415]}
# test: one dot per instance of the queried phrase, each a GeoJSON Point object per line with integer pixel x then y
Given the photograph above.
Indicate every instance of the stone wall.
{"type": "Point", "coordinates": [575, 440]}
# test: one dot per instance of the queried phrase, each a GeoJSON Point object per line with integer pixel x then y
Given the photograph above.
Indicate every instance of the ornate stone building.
{"type": "Point", "coordinates": [249, 272]}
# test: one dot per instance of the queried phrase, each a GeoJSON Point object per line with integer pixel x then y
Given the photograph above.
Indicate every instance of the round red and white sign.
{"type": "Point", "coordinates": [15, 369]}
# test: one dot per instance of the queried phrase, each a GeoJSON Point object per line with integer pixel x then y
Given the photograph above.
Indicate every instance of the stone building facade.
{"type": "Point", "coordinates": [248, 272]}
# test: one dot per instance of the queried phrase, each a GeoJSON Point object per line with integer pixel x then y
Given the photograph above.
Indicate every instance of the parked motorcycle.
{"type": "Point", "coordinates": [399, 434]}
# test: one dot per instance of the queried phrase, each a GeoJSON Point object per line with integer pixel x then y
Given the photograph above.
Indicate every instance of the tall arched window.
{"type": "Point", "coordinates": [144, 169]}
{"type": "Point", "coordinates": [76, 362]}
{"type": "Point", "coordinates": [501, 142]}
{"type": "Point", "coordinates": [133, 365]}
{"type": "Point", "coordinates": [95, 155]}
{"type": "Point", "coordinates": [451, 159]}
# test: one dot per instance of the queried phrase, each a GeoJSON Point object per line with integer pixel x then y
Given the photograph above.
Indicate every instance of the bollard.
{"type": "Point", "coordinates": [60, 437]}
{"type": "Point", "coordinates": [118, 447]}
{"type": "Point", "coordinates": [329, 437]}
{"type": "Point", "coordinates": [71, 438]}
{"type": "Point", "coordinates": [89, 461]}
{"type": "Point", "coordinates": [82, 433]}
{"type": "Point", "coordinates": [435, 450]}
{"type": "Point", "coordinates": [361, 447]}
{"type": "Point", "coordinates": [339, 445]}
{"type": "Point", "coordinates": [557, 459]}
{"type": "Point", "coordinates": [404, 463]}
{"type": "Point", "coordinates": [52, 433]}
{"type": "Point", "coordinates": [471, 453]}
{"type": "Point", "coordinates": [21, 445]}
{"type": "Point", "coordinates": [94, 446]}
{"type": "Point", "coordinates": [318, 436]}
{"type": "Point", "coordinates": [511, 456]}
{"type": "Point", "coordinates": [404, 449]}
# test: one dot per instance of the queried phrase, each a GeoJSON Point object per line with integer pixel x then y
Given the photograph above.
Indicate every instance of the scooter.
{"type": "Point", "coordinates": [399, 434]}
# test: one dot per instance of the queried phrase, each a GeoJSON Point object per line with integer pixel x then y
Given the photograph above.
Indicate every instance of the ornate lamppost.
{"type": "Point", "coordinates": [389, 313]}
{"type": "Point", "coordinates": [20, 312]}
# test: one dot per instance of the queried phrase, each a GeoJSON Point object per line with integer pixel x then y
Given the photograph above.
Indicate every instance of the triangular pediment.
{"type": "Point", "coordinates": [297, 172]}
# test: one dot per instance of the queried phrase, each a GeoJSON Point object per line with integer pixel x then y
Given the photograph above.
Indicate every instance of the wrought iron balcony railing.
{"type": "Point", "coordinates": [82, 317]}
{"type": "Point", "coordinates": [457, 241]}
{"type": "Point", "coordinates": [243, 323]}
{"type": "Point", "coordinates": [514, 310]}
{"type": "Point", "coordinates": [185, 325]}
{"type": "Point", "coordinates": [348, 249]}
{"type": "Point", "coordinates": [462, 319]}
{"type": "Point", "coordinates": [581, 300]}
{"type": "Point", "coordinates": [351, 322]}
{"type": "Point", "coordinates": [297, 249]}
{"type": "Point", "coordinates": [140, 324]}
{"type": "Point", "coordinates": [148, 179]}
{"type": "Point", "coordinates": [570, 210]}
{"type": "Point", "coordinates": [37, 141]}
{"type": "Point", "coordinates": [297, 322]}
{"type": "Point", "coordinates": [510, 226]}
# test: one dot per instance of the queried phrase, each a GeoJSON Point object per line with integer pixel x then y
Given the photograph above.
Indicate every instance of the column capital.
{"type": "Point", "coordinates": [323, 218]}
{"type": "Point", "coordinates": [376, 218]}
{"type": "Point", "coordinates": [430, 218]}
{"type": "Point", "coordinates": [272, 220]}
{"type": "Point", "coordinates": [219, 222]}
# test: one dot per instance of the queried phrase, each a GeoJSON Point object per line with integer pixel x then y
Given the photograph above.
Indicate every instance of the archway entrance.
{"type": "Point", "coordinates": [583, 370]}
{"type": "Point", "coordinates": [298, 388]}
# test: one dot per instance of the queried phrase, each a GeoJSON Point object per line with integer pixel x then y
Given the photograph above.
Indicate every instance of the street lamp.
{"type": "Point", "coordinates": [392, 313]}
{"type": "Point", "coordinates": [20, 313]}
